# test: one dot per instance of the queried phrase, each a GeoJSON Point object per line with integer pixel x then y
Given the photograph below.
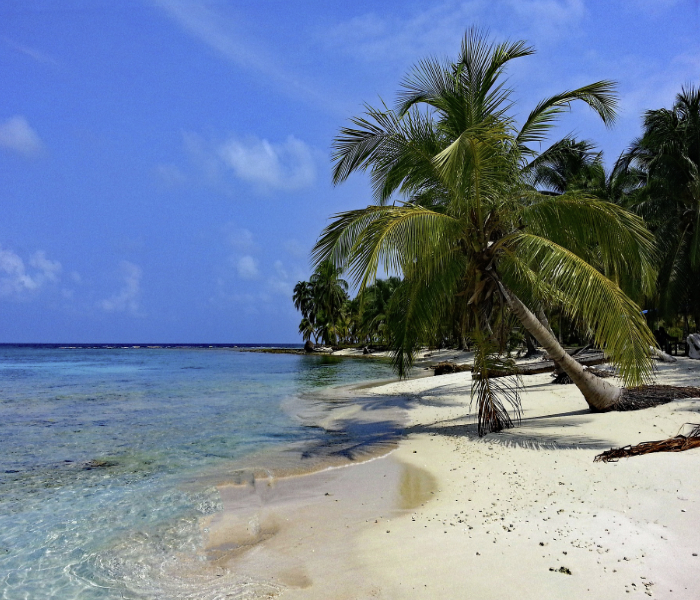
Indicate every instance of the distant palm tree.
{"type": "Point", "coordinates": [668, 157]}
{"type": "Point", "coordinates": [303, 298]}
{"type": "Point", "coordinates": [321, 301]}
{"type": "Point", "coordinates": [468, 228]}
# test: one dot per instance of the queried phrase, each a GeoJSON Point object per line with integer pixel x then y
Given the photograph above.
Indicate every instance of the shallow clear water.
{"type": "Point", "coordinates": [97, 448]}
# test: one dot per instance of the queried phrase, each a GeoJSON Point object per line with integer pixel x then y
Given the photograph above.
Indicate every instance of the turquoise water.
{"type": "Point", "coordinates": [100, 451]}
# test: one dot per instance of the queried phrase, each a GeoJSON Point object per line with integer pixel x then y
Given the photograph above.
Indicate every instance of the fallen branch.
{"type": "Point", "coordinates": [679, 443]}
{"type": "Point", "coordinates": [446, 367]}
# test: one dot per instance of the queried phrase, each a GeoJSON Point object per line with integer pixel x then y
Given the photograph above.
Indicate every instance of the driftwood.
{"type": "Point", "coordinates": [675, 444]}
{"type": "Point", "coordinates": [546, 366]}
{"type": "Point", "coordinates": [446, 367]}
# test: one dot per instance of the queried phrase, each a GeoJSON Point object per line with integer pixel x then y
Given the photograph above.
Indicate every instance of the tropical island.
{"type": "Point", "coordinates": [457, 358]}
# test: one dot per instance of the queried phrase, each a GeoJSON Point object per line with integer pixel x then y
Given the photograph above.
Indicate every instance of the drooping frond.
{"type": "Point", "coordinates": [494, 394]}
{"type": "Point", "coordinates": [599, 232]}
{"type": "Point", "coordinates": [616, 321]}
{"type": "Point", "coordinates": [600, 96]}
{"type": "Point", "coordinates": [397, 151]}
{"type": "Point", "coordinates": [419, 307]}
{"type": "Point", "coordinates": [391, 237]}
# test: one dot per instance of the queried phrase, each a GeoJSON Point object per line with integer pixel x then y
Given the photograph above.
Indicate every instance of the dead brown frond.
{"type": "Point", "coordinates": [647, 396]}
{"type": "Point", "coordinates": [675, 444]}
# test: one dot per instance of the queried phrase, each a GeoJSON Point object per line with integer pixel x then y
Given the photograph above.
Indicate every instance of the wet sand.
{"type": "Point", "coordinates": [525, 513]}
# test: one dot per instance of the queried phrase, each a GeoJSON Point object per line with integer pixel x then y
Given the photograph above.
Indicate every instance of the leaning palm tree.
{"type": "Point", "coordinates": [455, 216]}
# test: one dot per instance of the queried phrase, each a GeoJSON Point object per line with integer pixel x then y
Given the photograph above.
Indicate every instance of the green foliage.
{"type": "Point", "coordinates": [469, 219]}
{"type": "Point", "coordinates": [321, 301]}
{"type": "Point", "coordinates": [666, 159]}
{"type": "Point", "coordinates": [495, 386]}
{"type": "Point", "coordinates": [329, 313]}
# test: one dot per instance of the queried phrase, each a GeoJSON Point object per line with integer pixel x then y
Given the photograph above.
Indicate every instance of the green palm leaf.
{"type": "Point", "coordinates": [617, 323]}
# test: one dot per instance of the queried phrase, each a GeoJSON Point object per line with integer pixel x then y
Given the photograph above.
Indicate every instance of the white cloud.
{"type": "Point", "coordinates": [651, 86]}
{"type": "Point", "coordinates": [286, 166]}
{"type": "Point", "coordinates": [127, 299]}
{"type": "Point", "coordinates": [18, 136]}
{"type": "Point", "coordinates": [18, 279]}
{"type": "Point", "coordinates": [283, 279]}
{"type": "Point", "coordinates": [247, 267]}
{"type": "Point", "coordinates": [240, 239]}
{"type": "Point", "coordinates": [377, 38]}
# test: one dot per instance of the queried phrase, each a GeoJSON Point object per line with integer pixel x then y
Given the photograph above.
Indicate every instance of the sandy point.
{"type": "Point", "coordinates": [524, 513]}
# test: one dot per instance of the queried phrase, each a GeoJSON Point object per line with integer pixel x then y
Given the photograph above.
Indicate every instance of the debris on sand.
{"type": "Point", "coordinates": [675, 444]}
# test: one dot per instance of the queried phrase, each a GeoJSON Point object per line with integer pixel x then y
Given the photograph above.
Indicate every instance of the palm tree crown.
{"type": "Point", "coordinates": [455, 216]}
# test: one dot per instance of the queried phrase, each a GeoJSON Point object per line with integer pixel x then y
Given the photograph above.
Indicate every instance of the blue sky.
{"type": "Point", "coordinates": [165, 165]}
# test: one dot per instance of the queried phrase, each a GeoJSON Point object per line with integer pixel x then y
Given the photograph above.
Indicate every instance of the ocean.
{"type": "Point", "coordinates": [109, 456]}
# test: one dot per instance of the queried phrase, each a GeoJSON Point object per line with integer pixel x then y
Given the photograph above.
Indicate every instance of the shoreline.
{"type": "Point", "coordinates": [509, 514]}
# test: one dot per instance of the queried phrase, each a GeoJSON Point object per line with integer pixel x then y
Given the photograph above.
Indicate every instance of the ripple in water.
{"type": "Point", "coordinates": [101, 452]}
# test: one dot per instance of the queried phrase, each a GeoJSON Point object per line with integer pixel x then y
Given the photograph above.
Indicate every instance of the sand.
{"type": "Point", "coordinates": [524, 513]}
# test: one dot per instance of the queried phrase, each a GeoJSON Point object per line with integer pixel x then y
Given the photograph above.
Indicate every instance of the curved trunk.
{"type": "Point", "coordinates": [599, 394]}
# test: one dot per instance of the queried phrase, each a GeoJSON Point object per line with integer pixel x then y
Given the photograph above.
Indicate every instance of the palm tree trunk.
{"type": "Point", "coordinates": [599, 394]}
{"type": "Point", "coordinates": [544, 320]}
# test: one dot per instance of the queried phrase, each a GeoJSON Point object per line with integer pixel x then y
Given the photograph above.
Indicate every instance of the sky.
{"type": "Point", "coordinates": [165, 165]}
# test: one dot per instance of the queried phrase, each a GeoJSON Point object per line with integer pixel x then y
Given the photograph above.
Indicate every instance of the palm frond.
{"type": "Point", "coordinates": [494, 394]}
{"type": "Point", "coordinates": [393, 237]}
{"type": "Point", "coordinates": [617, 323]}
{"type": "Point", "coordinates": [597, 231]}
{"type": "Point", "coordinates": [600, 96]}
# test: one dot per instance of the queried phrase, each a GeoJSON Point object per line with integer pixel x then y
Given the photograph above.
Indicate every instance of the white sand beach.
{"type": "Point", "coordinates": [524, 513]}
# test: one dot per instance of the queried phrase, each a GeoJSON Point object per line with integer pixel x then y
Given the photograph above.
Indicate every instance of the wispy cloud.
{"type": "Point", "coordinates": [225, 33]}
{"type": "Point", "coordinates": [372, 37]}
{"type": "Point", "coordinates": [653, 6]}
{"type": "Point", "coordinates": [19, 280]}
{"type": "Point", "coordinates": [127, 299]}
{"type": "Point", "coordinates": [440, 28]}
{"type": "Point", "coordinates": [247, 267]}
{"type": "Point", "coordinates": [282, 279]}
{"type": "Point", "coordinates": [16, 135]}
{"type": "Point", "coordinates": [547, 19]}
{"type": "Point", "coordinates": [170, 175]}
{"type": "Point", "coordinates": [271, 166]}
{"type": "Point", "coordinates": [239, 238]}
{"type": "Point", "coordinates": [33, 53]}
{"type": "Point", "coordinates": [651, 86]}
